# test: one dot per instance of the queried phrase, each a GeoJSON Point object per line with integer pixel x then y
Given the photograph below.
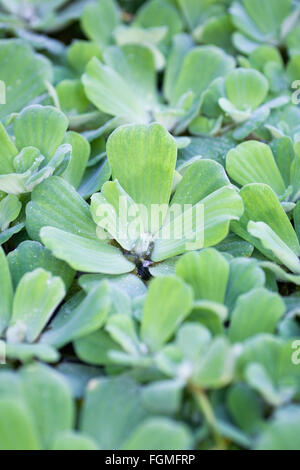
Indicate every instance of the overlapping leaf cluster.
{"type": "Point", "coordinates": [134, 341]}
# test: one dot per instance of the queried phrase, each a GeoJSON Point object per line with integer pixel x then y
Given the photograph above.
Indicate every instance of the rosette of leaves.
{"type": "Point", "coordinates": [38, 400]}
{"type": "Point", "coordinates": [143, 161]}
{"type": "Point", "coordinates": [26, 319]}
{"type": "Point", "coordinates": [124, 86]}
{"type": "Point", "coordinates": [23, 316]}
{"type": "Point", "coordinates": [262, 22]}
{"type": "Point", "coordinates": [38, 148]}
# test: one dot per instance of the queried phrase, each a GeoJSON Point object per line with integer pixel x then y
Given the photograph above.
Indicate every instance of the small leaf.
{"type": "Point", "coordinates": [159, 434]}
{"type": "Point", "coordinates": [84, 254]}
{"type": "Point", "coordinates": [10, 208]}
{"type": "Point", "coordinates": [258, 311]}
{"type": "Point", "coordinates": [24, 74]}
{"type": "Point", "coordinates": [49, 400]}
{"type": "Point", "coordinates": [42, 127]}
{"type": "Point", "coordinates": [15, 416]}
{"type": "Point", "coordinates": [32, 312]}
{"type": "Point", "coordinates": [30, 255]}
{"type": "Point", "coordinates": [253, 162]}
{"type": "Point", "coordinates": [87, 317]}
{"type": "Point", "coordinates": [143, 161]}
{"type": "Point", "coordinates": [206, 272]}
{"type": "Point", "coordinates": [167, 304]}
{"type": "Point", "coordinates": [55, 202]}
{"type": "Point", "coordinates": [120, 420]}
{"type": "Point", "coordinates": [246, 89]}
{"type": "Point", "coordinates": [71, 440]}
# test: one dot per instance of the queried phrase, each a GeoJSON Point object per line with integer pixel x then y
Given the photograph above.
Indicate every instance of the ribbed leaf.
{"type": "Point", "coordinates": [87, 317]}
{"type": "Point", "coordinates": [143, 161]}
{"type": "Point", "coordinates": [167, 304]}
{"type": "Point", "coordinates": [262, 205]}
{"type": "Point", "coordinates": [258, 311]}
{"type": "Point", "coordinates": [17, 430]}
{"type": "Point", "coordinates": [99, 19]}
{"type": "Point", "coordinates": [42, 127]}
{"type": "Point", "coordinates": [120, 420]}
{"type": "Point", "coordinates": [30, 255]}
{"type": "Point", "coordinates": [84, 254]}
{"type": "Point", "coordinates": [206, 272]}
{"type": "Point", "coordinates": [24, 74]}
{"type": "Point", "coordinates": [111, 93]}
{"type": "Point", "coordinates": [246, 89]}
{"type": "Point", "coordinates": [56, 203]}
{"type": "Point", "coordinates": [37, 296]}
{"type": "Point", "coordinates": [200, 67]}
{"type": "Point", "coordinates": [253, 162]}
{"type": "Point", "coordinates": [159, 434]}
{"type": "Point", "coordinates": [49, 400]}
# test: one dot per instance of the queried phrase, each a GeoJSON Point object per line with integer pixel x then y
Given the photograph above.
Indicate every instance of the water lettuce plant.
{"type": "Point", "coordinates": [149, 225]}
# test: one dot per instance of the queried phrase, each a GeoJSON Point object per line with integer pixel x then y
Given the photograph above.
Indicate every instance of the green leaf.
{"type": "Point", "coordinates": [163, 396]}
{"type": "Point", "coordinates": [200, 179]}
{"type": "Point", "coordinates": [10, 208]}
{"type": "Point", "coordinates": [159, 434]}
{"type": "Point", "coordinates": [200, 67]}
{"type": "Point", "coordinates": [42, 127]}
{"type": "Point", "coordinates": [84, 254]}
{"type": "Point", "coordinates": [24, 74]}
{"type": "Point", "coordinates": [244, 275]}
{"type": "Point", "coordinates": [8, 152]}
{"type": "Point", "coordinates": [143, 160]}
{"type": "Point", "coordinates": [56, 203]}
{"type": "Point", "coordinates": [157, 13]}
{"type": "Point", "coordinates": [87, 317]}
{"type": "Point", "coordinates": [245, 407]}
{"type": "Point", "coordinates": [258, 311]}
{"type": "Point", "coordinates": [167, 304]}
{"type": "Point", "coordinates": [206, 272]}
{"type": "Point", "coordinates": [282, 432]}
{"type": "Point", "coordinates": [135, 64]}
{"type": "Point", "coordinates": [246, 89]}
{"type": "Point", "coordinates": [27, 352]}
{"type": "Point", "coordinates": [120, 420]}
{"type": "Point", "coordinates": [182, 43]}
{"type": "Point", "coordinates": [262, 205]}
{"type": "Point", "coordinates": [37, 296]}
{"type": "Point", "coordinates": [17, 431]}
{"type": "Point", "coordinates": [95, 348]}
{"type": "Point", "coordinates": [81, 52]}
{"type": "Point", "coordinates": [49, 400]}
{"type": "Point", "coordinates": [259, 380]}
{"type": "Point", "coordinates": [30, 255]}
{"type": "Point", "coordinates": [72, 440]}
{"type": "Point", "coordinates": [99, 19]}
{"type": "Point", "coordinates": [112, 94]}
{"type": "Point", "coordinates": [215, 369]}
{"type": "Point", "coordinates": [272, 242]}
{"type": "Point", "coordinates": [6, 292]}
{"type": "Point", "coordinates": [79, 158]}
{"type": "Point", "coordinates": [253, 162]}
